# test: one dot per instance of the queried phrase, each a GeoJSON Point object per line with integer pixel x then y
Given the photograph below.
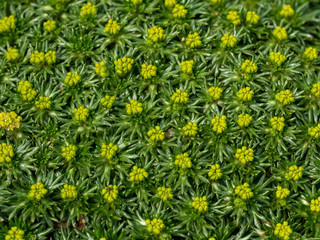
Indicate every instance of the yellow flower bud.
{"type": "Point", "coordinates": [69, 192]}
{"type": "Point", "coordinates": [285, 97]}
{"type": "Point", "coordinates": [215, 172]}
{"type": "Point", "coordinates": [50, 26]}
{"type": "Point", "coordinates": [234, 18]}
{"type": "Point", "coordinates": [43, 103]}
{"type": "Point", "coordinates": [244, 120]}
{"type": "Point", "coordinates": [15, 233]}
{"type": "Point", "coordinates": [293, 173]}
{"type": "Point", "coordinates": [37, 191]}
{"type": "Point", "coordinates": [123, 65]}
{"type": "Point", "coordinates": [200, 204]}
{"type": "Point", "coordinates": [228, 41]}
{"type": "Point", "coordinates": [148, 71]}
{"type": "Point", "coordinates": [245, 94]}
{"type": "Point", "coordinates": [134, 108]}
{"type": "Point", "coordinates": [12, 54]}
{"type": "Point", "coordinates": [109, 151]}
{"type": "Point", "coordinates": [26, 90]}
{"type": "Point", "coordinates": [244, 191]}
{"type": "Point", "coordinates": [88, 11]}
{"type": "Point", "coordinates": [101, 69]}
{"type": "Point", "coordinates": [219, 124]}
{"type": "Point", "coordinates": [108, 101]}
{"type": "Point", "coordinates": [72, 79]}
{"type": "Point", "coordinates": [69, 152]}
{"type": "Point", "coordinates": [310, 54]}
{"type": "Point", "coordinates": [81, 114]}
{"type": "Point", "coordinates": [286, 11]}
{"type": "Point", "coordinates": [179, 11]}
{"type": "Point", "coordinates": [180, 97]}
{"type": "Point", "coordinates": [10, 121]}
{"type": "Point", "coordinates": [280, 33]}
{"type": "Point", "coordinates": [277, 58]}
{"type": "Point", "coordinates": [112, 27]}
{"type": "Point", "coordinates": [183, 161]}
{"type": "Point", "coordinates": [283, 230]}
{"type": "Point", "coordinates": [187, 66]}
{"type": "Point", "coordinates": [138, 174]}
{"type": "Point", "coordinates": [252, 18]}
{"type": "Point", "coordinates": [155, 226]}
{"type": "Point", "coordinates": [6, 153]}
{"type": "Point", "coordinates": [164, 193]}
{"type": "Point", "coordinates": [156, 134]}
{"type": "Point", "coordinates": [282, 193]}
{"type": "Point", "coordinates": [190, 129]}
{"type": "Point", "coordinates": [110, 193]}
{"type": "Point", "coordinates": [215, 93]}
{"type": "Point", "coordinates": [155, 35]}
{"type": "Point", "coordinates": [244, 155]}
{"type": "Point", "coordinates": [193, 40]}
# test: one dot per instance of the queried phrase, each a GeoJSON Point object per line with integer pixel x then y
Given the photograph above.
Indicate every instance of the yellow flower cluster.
{"type": "Point", "coordinates": [14, 233]}
{"type": "Point", "coordinates": [40, 58]}
{"type": "Point", "coordinates": [200, 204]}
{"type": "Point", "coordinates": [110, 193]}
{"type": "Point", "coordinates": [245, 94]}
{"type": "Point", "coordinates": [190, 129]}
{"type": "Point", "coordinates": [293, 173]}
{"type": "Point", "coordinates": [248, 67]}
{"type": "Point", "coordinates": [101, 69]}
{"type": "Point", "coordinates": [138, 174]}
{"type": "Point", "coordinates": [72, 79]}
{"type": "Point", "coordinates": [180, 97]}
{"type": "Point", "coordinates": [244, 191]}
{"type": "Point", "coordinates": [213, 238]}
{"type": "Point", "coordinates": [310, 54]}
{"type": "Point", "coordinates": [244, 155]}
{"type": "Point", "coordinates": [26, 90]}
{"type": "Point", "coordinates": [219, 124]}
{"type": "Point", "coordinates": [252, 17]}
{"type": "Point", "coordinates": [136, 2]}
{"type": "Point", "coordinates": [155, 35]}
{"type": "Point", "coordinates": [282, 193]}
{"type": "Point", "coordinates": [10, 121]}
{"type": "Point", "coordinates": [81, 114]}
{"type": "Point", "coordinates": [215, 172]}
{"type": "Point", "coordinates": [69, 192]}
{"type": "Point", "coordinates": [155, 226]}
{"type": "Point", "coordinates": [8, 24]}
{"type": "Point", "coordinates": [277, 123]}
{"type": "Point", "coordinates": [43, 103]}
{"type": "Point", "coordinates": [244, 120]}
{"type": "Point", "coordinates": [183, 161]}
{"type": "Point", "coordinates": [193, 40]}
{"type": "Point", "coordinates": [109, 151]}
{"type": "Point", "coordinates": [170, 3]}
{"type": "Point", "coordinates": [228, 41]}
{"type": "Point", "coordinates": [37, 191]}
{"type": "Point", "coordinates": [315, 205]}
{"type": "Point", "coordinates": [50, 26]}
{"type": "Point", "coordinates": [316, 89]}
{"type": "Point", "coordinates": [69, 152]}
{"type": "Point", "coordinates": [112, 27]}
{"type": "Point", "coordinates": [283, 230]}
{"type": "Point", "coordinates": [156, 134]}
{"type": "Point", "coordinates": [314, 131]}
{"type": "Point", "coordinates": [277, 58]}
{"type": "Point", "coordinates": [280, 33]}
{"type": "Point", "coordinates": [187, 67]}
{"type": "Point", "coordinates": [6, 153]}
{"type": "Point", "coordinates": [217, 3]}
{"type": "Point", "coordinates": [108, 101]}
{"type": "Point", "coordinates": [215, 93]}
{"type": "Point", "coordinates": [285, 97]}
{"type": "Point", "coordinates": [37, 57]}
{"type": "Point", "coordinates": [179, 11]}
{"type": "Point", "coordinates": [148, 71]}
{"type": "Point", "coordinates": [12, 54]}
{"type": "Point", "coordinates": [286, 11]}
{"type": "Point", "coordinates": [123, 65]}
{"type": "Point", "coordinates": [164, 193]}
{"type": "Point", "coordinates": [234, 18]}
{"type": "Point", "coordinates": [134, 108]}
{"type": "Point", "coordinates": [88, 11]}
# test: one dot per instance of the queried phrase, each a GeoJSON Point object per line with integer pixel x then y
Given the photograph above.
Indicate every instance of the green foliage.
{"type": "Point", "coordinates": [118, 152]}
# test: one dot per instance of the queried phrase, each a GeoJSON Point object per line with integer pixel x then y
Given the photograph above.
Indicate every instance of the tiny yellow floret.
{"type": "Point", "coordinates": [69, 192]}
{"type": "Point", "coordinates": [244, 155]}
{"type": "Point", "coordinates": [138, 174]}
{"type": "Point", "coordinates": [112, 27]}
{"type": "Point", "coordinates": [180, 97]}
{"type": "Point", "coordinates": [164, 193]}
{"type": "Point", "coordinates": [190, 129]}
{"type": "Point", "coordinates": [69, 152]}
{"type": "Point", "coordinates": [280, 33]}
{"type": "Point", "coordinates": [285, 97]}
{"type": "Point", "coordinates": [293, 173]}
{"type": "Point", "coordinates": [215, 172]}
{"type": "Point", "coordinates": [200, 204]}
{"type": "Point", "coordinates": [110, 193]}
{"type": "Point", "coordinates": [148, 71]}
{"type": "Point", "coordinates": [155, 226]}
{"type": "Point", "coordinates": [134, 108]}
{"type": "Point", "coordinates": [219, 124]}
{"type": "Point", "coordinates": [37, 191]}
{"type": "Point", "coordinates": [183, 161]}
{"type": "Point", "coordinates": [244, 191]}
{"type": "Point", "coordinates": [193, 40]}
{"type": "Point", "coordinates": [283, 230]}
{"type": "Point", "coordinates": [234, 18]}
{"type": "Point", "coordinates": [14, 233]}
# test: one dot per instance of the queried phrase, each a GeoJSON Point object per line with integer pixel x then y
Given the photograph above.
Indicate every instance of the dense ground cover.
{"type": "Point", "coordinates": [159, 119]}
